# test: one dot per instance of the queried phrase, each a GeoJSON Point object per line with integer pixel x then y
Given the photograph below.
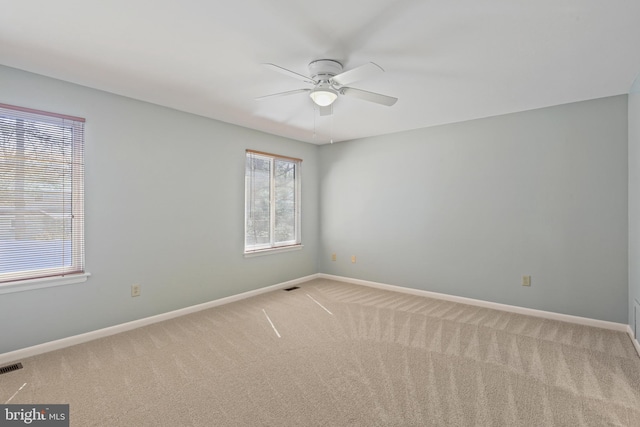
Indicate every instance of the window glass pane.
{"type": "Point", "coordinates": [285, 201]}
{"type": "Point", "coordinates": [272, 198]}
{"type": "Point", "coordinates": [41, 213]}
{"type": "Point", "coordinates": [36, 209]}
{"type": "Point", "coordinates": [257, 203]}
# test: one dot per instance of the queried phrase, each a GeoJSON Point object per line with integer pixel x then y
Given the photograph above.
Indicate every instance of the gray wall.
{"type": "Point", "coordinates": [634, 199]}
{"type": "Point", "coordinates": [464, 209]}
{"type": "Point", "coordinates": [467, 209]}
{"type": "Point", "coordinates": [164, 208]}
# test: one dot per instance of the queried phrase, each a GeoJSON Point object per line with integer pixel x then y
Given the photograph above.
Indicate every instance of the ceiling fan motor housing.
{"type": "Point", "coordinates": [329, 80]}
{"type": "Point", "coordinates": [324, 69]}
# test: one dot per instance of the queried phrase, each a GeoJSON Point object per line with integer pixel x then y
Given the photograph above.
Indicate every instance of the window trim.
{"type": "Point", "coordinates": [42, 282]}
{"type": "Point", "coordinates": [52, 276]}
{"type": "Point", "coordinates": [272, 247]}
{"type": "Point", "coordinates": [42, 113]}
{"type": "Point", "coordinates": [270, 251]}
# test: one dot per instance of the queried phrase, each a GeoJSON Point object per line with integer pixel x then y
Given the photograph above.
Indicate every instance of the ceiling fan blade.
{"type": "Point", "coordinates": [326, 111]}
{"type": "Point", "coordinates": [358, 73]}
{"type": "Point", "coordinates": [290, 73]}
{"type": "Point", "coordinates": [369, 96]}
{"type": "Point", "coordinates": [276, 95]}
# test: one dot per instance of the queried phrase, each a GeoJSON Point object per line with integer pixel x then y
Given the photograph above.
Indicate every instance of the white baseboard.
{"type": "Point", "coordinates": [112, 330]}
{"type": "Point", "coordinates": [123, 327]}
{"type": "Point", "coordinates": [487, 304]}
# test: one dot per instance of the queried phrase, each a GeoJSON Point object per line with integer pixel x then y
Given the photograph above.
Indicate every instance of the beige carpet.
{"type": "Point", "coordinates": [346, 355]}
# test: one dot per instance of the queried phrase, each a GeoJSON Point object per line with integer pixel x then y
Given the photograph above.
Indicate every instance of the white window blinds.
{"type": "Point", "coordinates": [41, 194]}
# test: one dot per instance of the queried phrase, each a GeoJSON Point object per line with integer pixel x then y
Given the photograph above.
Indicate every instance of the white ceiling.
{"type": "Point", "coordinates": [446, 61]}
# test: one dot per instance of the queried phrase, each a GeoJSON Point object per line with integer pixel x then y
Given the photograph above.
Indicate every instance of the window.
{"type": "Point", "coordinates": [41, 195]}
{"type": "Point", "coordinates": [272, 202]}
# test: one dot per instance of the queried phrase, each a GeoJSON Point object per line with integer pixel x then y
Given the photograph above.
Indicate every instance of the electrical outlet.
{"type": "Point", "coordinates": [333, 257]}
{"type": "Point", "coordinates": [526, 280]}
{"type": "Point", "coordinates": [353, 259]}
{"type": "Point", "coordinates": [135, 290]}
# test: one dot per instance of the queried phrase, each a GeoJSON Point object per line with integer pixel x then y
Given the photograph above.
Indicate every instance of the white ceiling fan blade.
{"type": "Point", "coordinates": [358, 73]}
{"type": "Point", "coordinates": [326, 111]}
{"type": "Point", "coordinates": [276, 95]}
{"type": "Point", "coordinates": [369, 96]}
{"type": "Point", "coordinates": [290, 73]}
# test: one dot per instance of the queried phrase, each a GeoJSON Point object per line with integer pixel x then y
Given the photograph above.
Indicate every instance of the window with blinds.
{"type": "Point", "coordinates": [41, 194]}
{"type": "Point", "coordinates": [272, 202]}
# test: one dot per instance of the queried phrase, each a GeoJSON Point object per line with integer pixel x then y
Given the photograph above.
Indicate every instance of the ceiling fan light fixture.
{"type": "Point", "coordinates": [323, 96]}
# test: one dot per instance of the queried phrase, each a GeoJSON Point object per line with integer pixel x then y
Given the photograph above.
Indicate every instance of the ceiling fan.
{"type": "Point", "coordinates": [329, 81]}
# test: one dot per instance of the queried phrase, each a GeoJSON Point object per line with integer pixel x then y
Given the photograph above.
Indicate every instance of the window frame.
{"type": "Point", "coordinates": [273, 246]}
{"type": "Point", "coordinates": [40, 277]}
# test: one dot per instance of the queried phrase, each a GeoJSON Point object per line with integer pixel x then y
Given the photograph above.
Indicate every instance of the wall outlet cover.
{"type": "Point", "coordinates": [135, 290]}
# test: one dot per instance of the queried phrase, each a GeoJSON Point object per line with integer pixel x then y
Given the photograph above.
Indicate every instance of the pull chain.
{"type": "Point", "coordinates": [314, 122]}
{"type": "Point", "coordinates": [331, 140]}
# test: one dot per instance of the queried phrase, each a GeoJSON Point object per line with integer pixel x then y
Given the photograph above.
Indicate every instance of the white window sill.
{"type": "Point", "coordinates": [272, 251]}
{"type": "Point", "coordinates": [45, 282]}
